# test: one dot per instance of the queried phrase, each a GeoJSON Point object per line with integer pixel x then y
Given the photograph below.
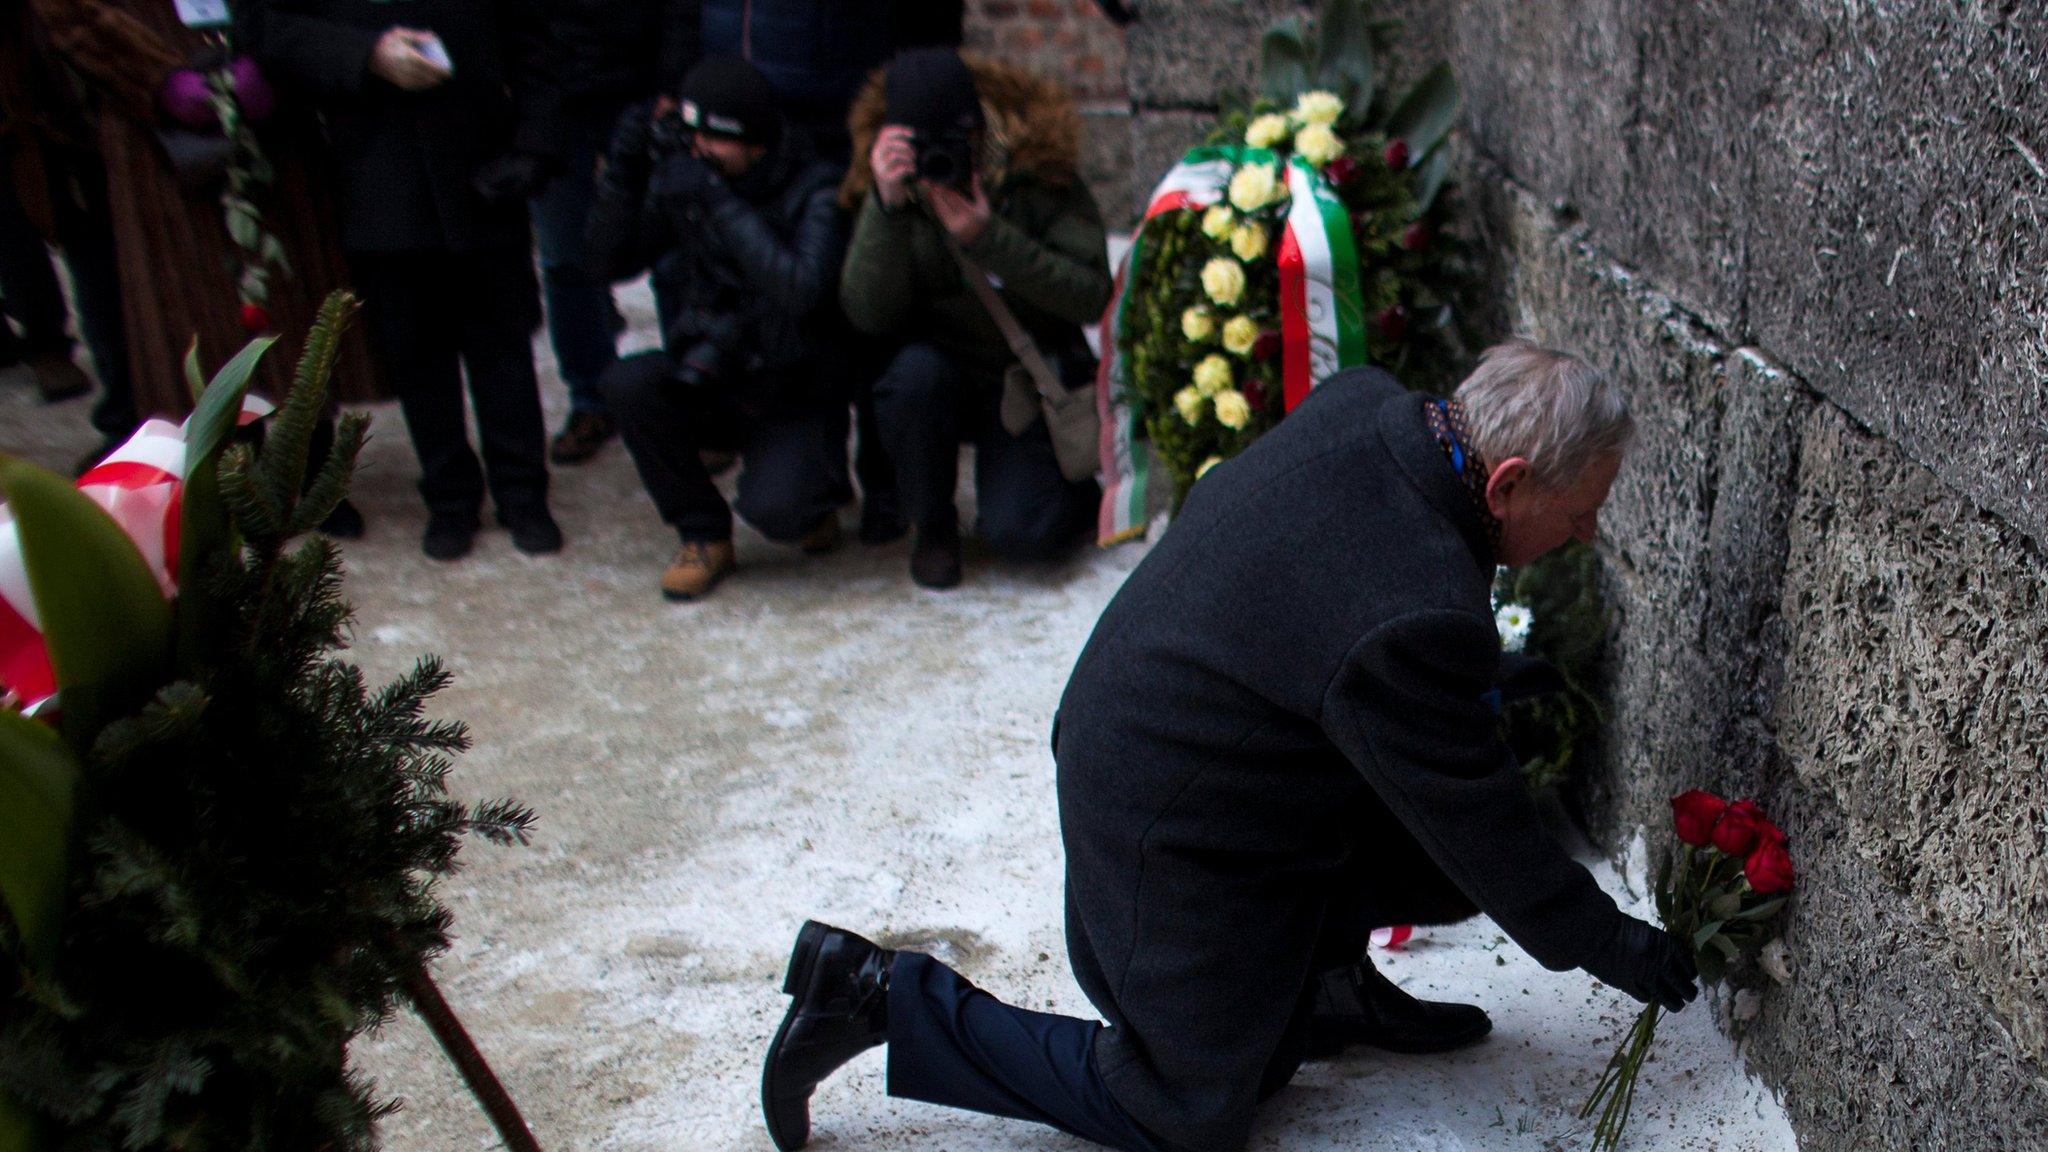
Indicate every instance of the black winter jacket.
{"type": "Point", "coordinates": [1277, 736]}
{"type": "Point", "coordinates": [750, 265]}
{"type": "Point", "coordinates": [407, 160]}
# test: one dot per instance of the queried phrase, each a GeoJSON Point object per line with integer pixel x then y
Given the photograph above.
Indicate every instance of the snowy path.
{"type": "Point", "coordinates": [822, 738]}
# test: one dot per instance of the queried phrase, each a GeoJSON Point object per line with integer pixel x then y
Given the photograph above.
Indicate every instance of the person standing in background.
{"type": "Point", "coordinates": [443, 119]}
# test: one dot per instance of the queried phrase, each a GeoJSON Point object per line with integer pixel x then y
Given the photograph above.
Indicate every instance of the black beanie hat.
{"type": "Point", "coordinates": [931, 91]}
{"type": "Point", "coordinates": [726, 96]}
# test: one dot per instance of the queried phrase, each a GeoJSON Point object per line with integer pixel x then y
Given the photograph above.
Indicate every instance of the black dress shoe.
{"type": "Point", "coordinates": [1357, 1005]}
{"type": "Point", "coordinates": [840, 983]}
{"type": "Point", "coordinates": [534, 531]}
{"type": "Point", "coordinates": [449, 536]}
{"type": "Point", "coordinates": [935, 556]}
{"type": "Point", "coordinates": [344, 523]}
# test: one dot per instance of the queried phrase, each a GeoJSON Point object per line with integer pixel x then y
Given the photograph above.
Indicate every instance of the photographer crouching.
{"type": "Point", "coordinates": [980, 249]}
{"type": "Point", "coordinates": [738, 221]}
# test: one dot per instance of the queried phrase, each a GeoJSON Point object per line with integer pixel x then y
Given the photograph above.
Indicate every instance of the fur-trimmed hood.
{"type": "Point", "coordinates": [1033, 127]}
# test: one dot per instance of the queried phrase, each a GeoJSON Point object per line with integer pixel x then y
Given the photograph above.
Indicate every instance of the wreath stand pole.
{"type": "Point", "coordinates": [462, 1052]}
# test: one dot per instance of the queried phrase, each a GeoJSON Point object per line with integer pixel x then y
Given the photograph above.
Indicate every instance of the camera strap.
{"type": "Point", "coordinates": [1021, 344]}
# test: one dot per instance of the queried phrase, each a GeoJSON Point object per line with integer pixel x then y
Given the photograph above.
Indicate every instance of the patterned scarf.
{"type": "Point", "coordinates": [1453, 433]}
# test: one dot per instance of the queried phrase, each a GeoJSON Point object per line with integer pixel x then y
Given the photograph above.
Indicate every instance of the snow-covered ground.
{"type": "Point", "coordinates": [823, 739]}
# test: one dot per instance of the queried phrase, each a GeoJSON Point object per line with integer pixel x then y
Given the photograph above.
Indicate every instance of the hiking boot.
{"type": "Point", "coordinates": [840, 1008]}
{"type": "Point", "coordinates": [935, 556]}
{"type": "Point", "coordinates": [1358, 1005]}
{"type": "Point", "coordinates": [581, 437]}
{"type": "Point", "coordinates": [698, 567]}
{"type": "Point", "coordinates": [58, 379]}
{"type": "Point", "coordinates": [825, 536]}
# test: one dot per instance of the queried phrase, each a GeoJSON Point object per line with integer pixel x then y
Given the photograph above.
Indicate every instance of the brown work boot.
{"type": "Point", "coordinates": [57, 378]}
{"type": "Point", "coordinates": [698, 567]}
{"type": "Point", "coordinates": [581, 437]}
{"type": "Point", "coordinates": [823, 537]}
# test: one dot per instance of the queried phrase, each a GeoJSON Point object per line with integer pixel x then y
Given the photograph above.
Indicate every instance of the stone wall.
{"type": "Point", "coordinates": [1808, 239]}
{"type": "Point", "coordinates": [1072, 41]}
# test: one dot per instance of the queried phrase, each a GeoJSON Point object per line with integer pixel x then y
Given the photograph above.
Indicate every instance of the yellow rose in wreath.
{"type": "Point", "coordinates": [1317, 144]}
{"type": "Point", "coordinates": [1197, 324]}
{"type": "Point", "coordinates": [1254, 186]}
{"type": "Point", "coordinates": [1211, 462]}
{"type": "Point", "coordinates": [1233, 409]}
{"type": "Point", "coordinates": [1248, 241]}
{"type": "Point", "coordinates": [1318, 107]}
{"type": "Point", "coordinates": [1240, 335]}
{"type": "Point", "coordinates": [1213, 375]}
{"type": "Point", "coordinates": [1218, 221]}
{"type": "Point", "coordinates": [1268, 131]}
{"type": "Point", "coordinates": [1191, 403]}
{"type": "Point", "coordinates": [1223, 280]}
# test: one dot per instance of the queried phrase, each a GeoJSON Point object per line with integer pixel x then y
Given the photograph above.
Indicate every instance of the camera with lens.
{"type": "Point", "coordinates": [945, 158]}
{"type": "Point", "coordinates": [668, 134]}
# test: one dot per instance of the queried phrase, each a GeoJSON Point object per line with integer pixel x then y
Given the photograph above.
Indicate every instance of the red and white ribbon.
{"type": "Point", "coordinates": [140, 484]}
{"type": "Point", "coordinates": [1393, 937]}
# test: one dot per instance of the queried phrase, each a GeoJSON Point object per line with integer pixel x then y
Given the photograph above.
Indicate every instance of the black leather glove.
{"type": "Point", "coordinates": [681, 176]}
{"type": "Point", "coordinates": [1648, 963]}
{"type": "Point", "coordinates": [514, 176]}
{"type": "Point", "coordinates": [629, 156]}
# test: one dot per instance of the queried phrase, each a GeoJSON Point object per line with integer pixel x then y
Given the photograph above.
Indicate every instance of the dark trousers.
{"type": "Point", "coordinates": [792, 464]}
{"type": "Point", "coordinates": [924, 407]}
{"type": "Point", "coordinates": [33, 298]}
{"type": "Point", "coordinates": [951, 1043]}
{"type": "Point", "coordinates": [582, 321]}
{"type": "Point", "coordinates": [435, 316]}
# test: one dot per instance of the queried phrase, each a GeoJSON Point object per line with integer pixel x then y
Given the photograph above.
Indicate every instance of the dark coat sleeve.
{"type": "Point", "coordinates": [1406, 709]}
{"type": "Point", "coordinates": [1064, 270]}
{"type": "Point", "coordinates": [877, 286]}
{"type": "Point", "coordinates": [119, 55]}
{"type": "Point", "coordinates": [320, 56]}
{"type": "Point", "coordinates": [791, 276]}
{"type": "Point", "coordinates": [532, 60]}
{"type": "Point", "coordinates": [614, 240]}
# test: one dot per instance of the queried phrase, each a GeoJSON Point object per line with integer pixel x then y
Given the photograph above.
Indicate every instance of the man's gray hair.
{"type": "Point", "coordinates": [1549, 407]}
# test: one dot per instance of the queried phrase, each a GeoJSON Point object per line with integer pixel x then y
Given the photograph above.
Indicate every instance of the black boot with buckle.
{"type": "Point", "coordinates": [841, 1009]}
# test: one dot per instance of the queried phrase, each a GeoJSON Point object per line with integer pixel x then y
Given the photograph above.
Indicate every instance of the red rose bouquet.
{"type": "Point", "coordinates": [1720, 889]}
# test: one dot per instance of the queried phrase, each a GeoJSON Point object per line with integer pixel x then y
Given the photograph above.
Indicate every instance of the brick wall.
{"type": "Point", "coordinates": [1068, 39]}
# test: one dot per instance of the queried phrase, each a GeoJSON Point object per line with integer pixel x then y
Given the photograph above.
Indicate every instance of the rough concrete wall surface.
{"type": "Point", "coordinates": [1807, 238]}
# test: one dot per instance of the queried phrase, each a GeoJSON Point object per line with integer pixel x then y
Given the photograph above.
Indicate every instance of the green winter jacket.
{"type": "Point", "coordinates": [1044, 247]}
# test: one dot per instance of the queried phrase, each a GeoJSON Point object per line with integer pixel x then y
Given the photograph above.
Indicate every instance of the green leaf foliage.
{"type": "Point", "coordinates": [102, 612]}
{"type": "Point", "coordinates": [1344, 54]}
{"type": "Point", "coordinates": [1558, 737]}
{"type": "Point", "coordinates": [1424, 116]}
{"type": "Point", "coordinates": [1283, 61]}
{"type": "Point", "coordinates": [257, 849]}
{"type": "Point", "coordinates": [38, 775]}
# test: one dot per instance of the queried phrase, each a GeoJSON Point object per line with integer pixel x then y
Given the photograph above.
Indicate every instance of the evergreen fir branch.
{"type": "Point", "coordinates": [262, 521]}
{"type": "Point", "coordinates": [172, 1068]}
{"type": "Point", "coordinates": [281, 469]}
{"type": "Point", "coordinates": [330, 484]}
{"type": "Point", "coordinates": [502, 822]}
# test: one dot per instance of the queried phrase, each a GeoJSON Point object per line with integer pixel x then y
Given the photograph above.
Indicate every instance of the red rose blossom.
{"type": "Point", "coordinates": [1769, 868]}
{"type": "Point", "coordinates": [1416, 238]}
{"type": "Point", "coordinates": [1396, 154]}
{"type": "Point", "coordinates": [1694, 813]}
{"type": "Point", "coordinates": [1254, 390]}
{"type": "Point", "coordinates": [1738, 830]}
{"type": "Point", "coordinates": [1394, 324]}
{"type": "Point", "coordinates": [255, 318]}
{"type": "Point", "coordinates": [1340, 171]}
{"type": "Point", "coordinates": [1267, 346]}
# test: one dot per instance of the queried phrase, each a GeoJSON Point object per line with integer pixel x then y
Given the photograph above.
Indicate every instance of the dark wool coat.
{"type": "Point", "coordinates": [1276, 738]}
{"type": "Point", "coordinates": [407, 160]}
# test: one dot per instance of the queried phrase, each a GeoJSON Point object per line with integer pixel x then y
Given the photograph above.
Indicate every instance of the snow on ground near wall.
{"type": "Point", "coordinates": [821, 738]}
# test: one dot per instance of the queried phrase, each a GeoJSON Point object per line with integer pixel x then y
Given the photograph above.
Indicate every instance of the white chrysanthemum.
{"type": "Point", "coordinates": [1318, 107]}
{"type": "Point", "coordinates": [1218, 222]}
{"type": "Point", "coordinates": [1240, 334]}
{"type": "Point", "coordinates": [1233, 409]}
{"type": "Point", "coordinates": [1268, 131]}
{"type": "Point", "coordinates": [1197, 324]}
{"type": "Point", "coordinates": [1254, 186]}
{"type": "Point", "coordinates": [1248, 241]}
{"type": "Point", "coordinates": [1213, 375]}
{"type": "Point", "coordinates": [1191, 404]}
{"type": "Point", "coordinates": [1223, 280]}
{"type": "Point", "coordinates": [1513, 622]}
{"type": "Point", "coordinates": [1317, 144]}
{"type": "Point", "coordinates": [1211, 462]}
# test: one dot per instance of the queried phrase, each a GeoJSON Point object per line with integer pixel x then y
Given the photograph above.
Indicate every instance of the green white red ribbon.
{"type": "Point", "coordinates": [1322, 320]}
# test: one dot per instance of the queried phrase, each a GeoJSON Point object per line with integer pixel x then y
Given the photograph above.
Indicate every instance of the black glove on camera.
{"type": "Point", "coordinates": [515, 176]}
{"type": "Point", "coordinates": [629, 157]}
{"type": "Point", "coordinates": [682, 176]}
{"type": "Point", "coordinates": [1648, 963]}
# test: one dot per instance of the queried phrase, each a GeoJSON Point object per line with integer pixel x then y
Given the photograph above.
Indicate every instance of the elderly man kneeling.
{"type": "Point", "coordinates": [1277, 739]}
